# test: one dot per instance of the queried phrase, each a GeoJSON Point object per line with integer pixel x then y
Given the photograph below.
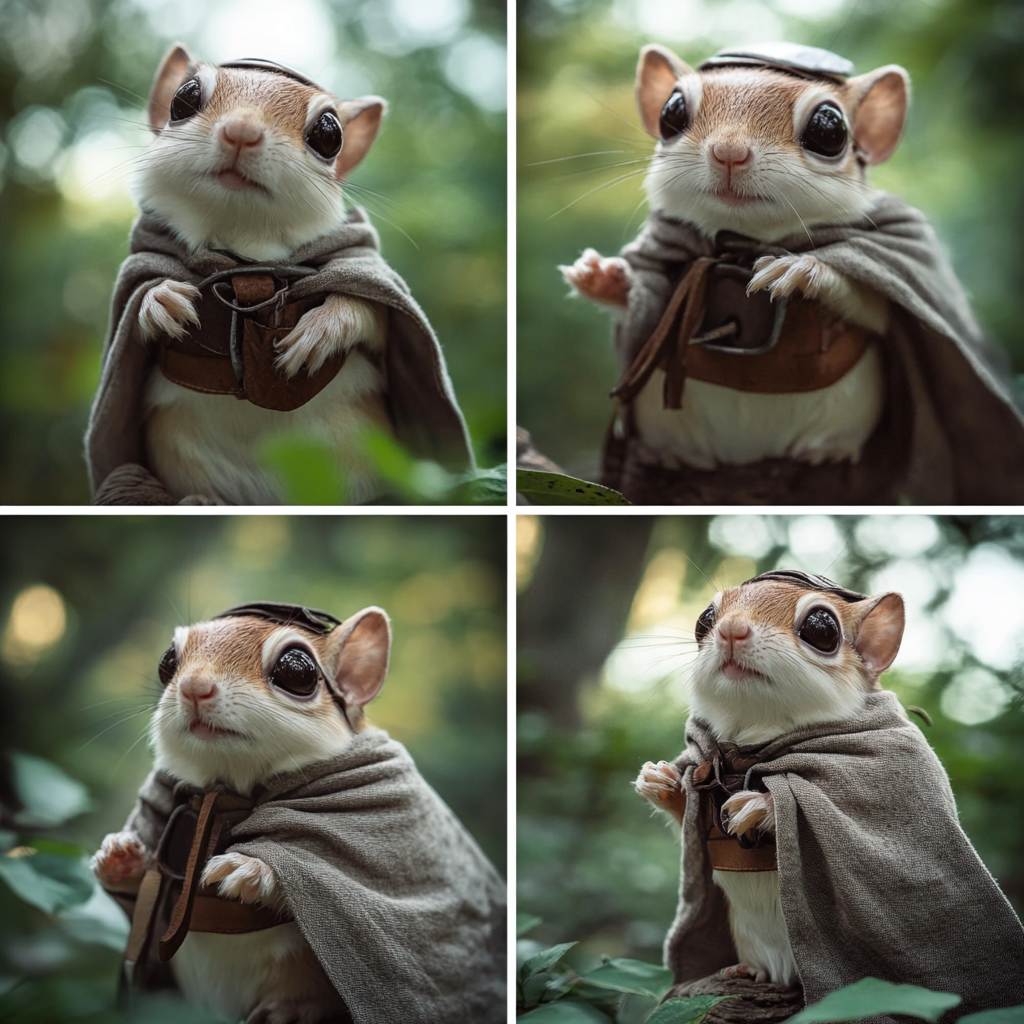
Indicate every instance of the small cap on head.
{"type": "Point", "coordinates": [283, 614]}
{"type": "Point", "coordinates": [791, 58]}
{"type": "Point", "coordinates": [259, 64]}
{"type": "Point", "coordinates": [811, 581]}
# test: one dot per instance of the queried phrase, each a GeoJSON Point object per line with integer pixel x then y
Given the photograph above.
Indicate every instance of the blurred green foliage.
{"type": "Point", "coordinates": [958, 161]}
{"type": "Point", "coordinates": [593, 860]}
{"type": "Point", "coordinates": [87, 606]}
{"type": "Point", "coordinates": [73, 81]}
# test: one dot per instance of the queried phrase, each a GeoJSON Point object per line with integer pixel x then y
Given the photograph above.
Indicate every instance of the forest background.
{"type": "Point", "coordinates": [581, 156]}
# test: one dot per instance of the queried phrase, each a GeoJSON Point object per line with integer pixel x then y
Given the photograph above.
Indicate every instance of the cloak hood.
{"type": "Point", "coordinates": [402, 909]}
{"type": "Point", "coordinates": [952, 433]}
{"type": "Point", "coordinates": [347, 261]}
{"type": "Point", "coordinates": [876, 876]}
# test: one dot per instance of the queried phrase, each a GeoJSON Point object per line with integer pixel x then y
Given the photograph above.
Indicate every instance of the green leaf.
{"type": "Point", "coordinates": [869, 996]}
{"type": "Point", "coordinates": [49, 796]}
{"type": "Point", "coordinates": [691, 1010]}
{"type": "Point", "coordinates": [543, 960]}
{"type": "Point", "coordinates": [524, 922]}
{"type": "Point", "coordinates": [49, 881]}
{"type": "Point", "coordinates": [565, 1012]}
{"type": "Point", "coordinates": [557, 489]}
{"type": "Point", "coordinates": [482, 487]}
{"type": "Point", "coordinates": [99, 921]}
{"type": "Point", "coordinates": [636, 976]}
{"type": "Point", "coordinates": [306, 468]}
{"type": "Point", "coordinates": [1007, 1015]}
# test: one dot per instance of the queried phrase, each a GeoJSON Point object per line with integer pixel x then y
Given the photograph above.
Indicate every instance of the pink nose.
{"type": "Point", "coordinates": [730, 154]}
{"type": "Point", "coordinates": [239, 132]}
{"type": "Point", "coordinates": [194, 689]}
{"type": "Point", "coordinates": [734, 630]}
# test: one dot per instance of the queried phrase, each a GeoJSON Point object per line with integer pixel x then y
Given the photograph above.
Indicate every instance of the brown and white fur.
{"type": "Point", "coordinates": [239, 176]}
{"type": "Point", "coordinates": [754, 679]}
{"type": "Point", "coordinates": [219, 719]}
{"type": "Point", "coordinates": [740, 167]}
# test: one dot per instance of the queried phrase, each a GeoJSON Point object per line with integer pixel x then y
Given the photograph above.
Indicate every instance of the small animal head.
{"type": "Point", "coordinates": [264, 689]}
{"type": "Point", "coordinates": [249, 158]}
{"type": "Point", "coordinates": [761, 150]}
{"type": "Point", "coordinates": [788, 649]}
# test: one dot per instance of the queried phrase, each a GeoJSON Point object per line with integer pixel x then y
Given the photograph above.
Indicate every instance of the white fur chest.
{"type": "Point", "coordinates": [211, 444]}
{"type": "Point", "coordinates": [722, 426]}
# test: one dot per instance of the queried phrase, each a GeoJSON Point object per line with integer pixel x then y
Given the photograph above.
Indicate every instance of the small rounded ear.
{"type": "Point", "coordinates": [878, 101]}
{"type": "Point", "coordinates": [880, 632]}
{"type": "Point", "coordinates": [357, 653]}
{"type": "Point", "coordinates": [656, 76]}
{"type": "Point", "coordinates": [360, 123]}
{"type": "Point", "coordinates": [172, 72]}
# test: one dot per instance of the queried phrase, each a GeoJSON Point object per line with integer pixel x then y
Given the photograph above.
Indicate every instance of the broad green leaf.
{"type": "Point", "coordinates": [543, 960]}
{"type": "Point", "coordinates": [482, 487]}
{"type": "Point", "coordinates": [872, 995]}
{"type": "Point", "coordinates": [49, 881]}
{"type": "Point", "coordinates": [635, 976]}
{"type": "Point", "coordinates": [1008, 1015]}
{"type": "Point", "coordinates": [524, 922]}
{"type": "Point", "coordinates": [306, 467]}
{"type": "Point", "coordinates": [50, 797]}
{"type": "Point", "coordinates": [691, 1010]}
{"type": "Point", "coordinates": [557, 489]}
{"type": "Point", "coordinates": [565, 1012]}
{"type": "Point", "coordinates": [99, 921]}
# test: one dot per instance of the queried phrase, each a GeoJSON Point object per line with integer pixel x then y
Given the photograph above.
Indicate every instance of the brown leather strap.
{"type": "Point", "coordinates": [726, 854]}
{"type": "Point", "coordinates": [252, 288]}
{"type": "Point", "coordinates": [212, 913]}
{"type": "Point", "coordinates": [142, 913]}
{"type": "Point", "coordinates": [172, 939]}
{"type": "Point", "coordinates": [211, 375]}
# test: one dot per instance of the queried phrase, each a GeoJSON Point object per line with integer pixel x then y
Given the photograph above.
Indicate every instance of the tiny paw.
{"type": "Point", "coordinates": [748, 810]}
{"type": "Point", "coordinates": [335, 326]}
{"type": "Point", "coordinates": [166, 308]}
{"type": "Point", "coordinates": [603, 279]}
{"type": "Point", "coordinates": [658, 782]}
{"type": "Point", "coordinates": [758, 974]}
{"type": "Point", "coordinates": [120, 858]}
{"type": "Point", "coordinates": [787, 275]}
{"type": "Point", "coordinates": [241, 878]}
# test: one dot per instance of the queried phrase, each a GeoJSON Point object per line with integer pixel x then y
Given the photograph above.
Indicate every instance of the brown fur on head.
{"type": "Point", "coordinates": [226, 713]}
{"type": "Point", "coordinates": [774, 655]}
{"type": "Point", "coordinates": [765, 112]}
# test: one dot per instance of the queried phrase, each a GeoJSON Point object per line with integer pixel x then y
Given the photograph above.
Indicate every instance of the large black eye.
{"type": "Point", "coordinates": [826, 131]}
{"type": "Point", "coordinates": [168, 665]}
{"type": "Point", "coordinates": [295, 672]}
{"type": "Point", "coordinates": [705, 622]}
{"type": "Point", "coordinates": [675, 117]}
{"type": "Point", "coordinates": [324, 136]}
{"type": "Point", "coordinates": [821, 631]}
{"type": "Point", "coordinates": [188, 101]}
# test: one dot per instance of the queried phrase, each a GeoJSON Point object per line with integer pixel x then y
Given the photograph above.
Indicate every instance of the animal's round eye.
{"type": "Point", "coordinates": [675, 116]}
{"type": "Point", "coordinates": [168, 665]}
{"type": "Point", "coordinates": [324, 136]}
{"type": "Point", "coordinates": [188, 100]}
{"type": "Point", "coordinates": [295, 672]}
{"type": "Point", "coordinates": [705, 622]}
{"type": "Point", "coordinates": [826, 131]}
{"type": "Point", "coordinates": [821, 631]}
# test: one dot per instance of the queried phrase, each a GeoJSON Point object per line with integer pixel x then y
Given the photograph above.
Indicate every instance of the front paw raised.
{"type": "Point", "coordinates": [121, 858]}
{"type": "Point", "coordinates": [661, 783]}
{"type": "Point", "coordinates": [242, 878]}
{"type": "Point", "coordinates": [783, 276]}
{"type": "Point", "coordinates": [166, 308]}
{"type": "Point", "coordinates": [604, 279]}
{"type": "Point", "coordinates": [748, 810]}
{"type": "Point", "coordinates": [335, 326]}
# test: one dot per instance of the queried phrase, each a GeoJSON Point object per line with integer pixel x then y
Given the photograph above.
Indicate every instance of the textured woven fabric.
{"type": "Point", "coordinates": [962, 437]}
{"type": "Point", "coordinates": [402, 909]}
{"type": "Point", "coordinates": [876, 877]}
{"type": "Point", "coordinates": [419, 396]}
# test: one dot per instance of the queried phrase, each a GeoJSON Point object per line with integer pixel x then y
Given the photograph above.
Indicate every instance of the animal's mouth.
{"type": "Point", "coordinates": [204, 730]}
{"type": "Point", "coordinates": [732, 198]}
{"type": "Point", "coordinates": [735, 671]}
{"type": "Point", "coordinates": [231, 178]}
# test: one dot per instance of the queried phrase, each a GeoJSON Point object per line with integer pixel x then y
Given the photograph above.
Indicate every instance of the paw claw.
{"type": "Point", "coordinates": [756, 974]}
{"type": "Point", "coordinates": [787, 275]}
{"type": "Point", "coordinates": [121, 857]}
{"type": "Point", "coordinates": [241, 878]}
{"type": "Point", "coordinates": [602, 279]}
{"type": "Point", "coordinates": [166, 308]}
{"type": "Point", "coordinates": [748, 810]}
{"type": "Point", "coordinates": [336, 326]}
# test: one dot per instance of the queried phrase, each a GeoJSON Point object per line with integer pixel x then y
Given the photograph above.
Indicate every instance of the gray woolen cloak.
{"type": "Point", "coordinates": [876, 876]}
{"type": "Point", "coordinates": [419, 396]}
{"type": "Point", "coordinates": [402, 909]}
{"type": "Point", "coordinates": [957, 435]}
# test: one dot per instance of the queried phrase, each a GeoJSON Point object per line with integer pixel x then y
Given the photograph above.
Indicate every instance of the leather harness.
{"type": "Point", "coordinates": [243, 312]}
{"type": "Point", "coordinates": [711, 330]}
